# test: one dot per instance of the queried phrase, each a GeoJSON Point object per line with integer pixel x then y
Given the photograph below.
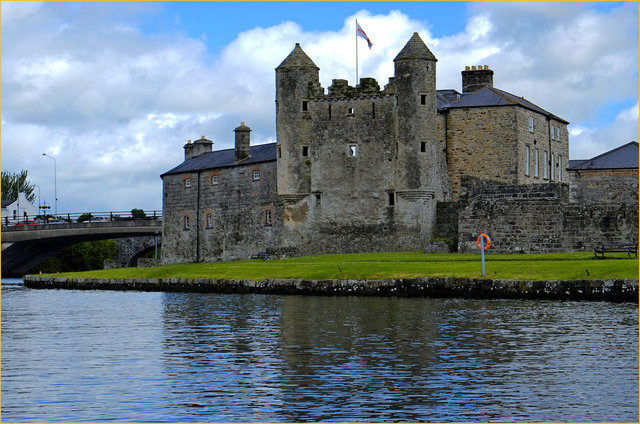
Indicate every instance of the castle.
{"type": "Point", "coordinates": [358, 168]}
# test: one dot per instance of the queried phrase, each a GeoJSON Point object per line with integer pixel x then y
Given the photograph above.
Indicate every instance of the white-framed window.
{"type": "Point", "coordinates": [256, 175]}
{"type": "Point", "coordinates": [553, 132]}
{"type": "Point", "coordinates": [545, 164]}
{"type": "Point", "coordinates": [559, 167]}
{"type": "Point", "coordinates": [558, 133]}
{"type": "Point", "coordinates": [214, 180]}
{"type": "Point", "coordinates": [536, 162]}
{"type": "Point", "coordinates": [527, 159]}
{"type": "Point", "coordinates": [353, 150]}
{"type": "Point", "coordinates": [185, 223]}
{"type": "Point", "coordinates": [531, 123]}
{"type": "Point", "coordinates": [553, 162]}
{"type": "Point", "coordinates": [267, 218]}
{"type": "Point", "coordinates": [187, 183]}
{"type": "Point", "coordinates": [209, 220]}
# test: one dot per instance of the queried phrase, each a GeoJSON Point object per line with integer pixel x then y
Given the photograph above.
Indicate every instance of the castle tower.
{"type": "Point", "coordinates": [421, 166]}
{"type": "Point", "coordinates": [294, 77]}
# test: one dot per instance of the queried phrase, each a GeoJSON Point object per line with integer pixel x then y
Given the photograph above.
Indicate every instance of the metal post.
{"type": "Point", "coordinates": [482, 252]}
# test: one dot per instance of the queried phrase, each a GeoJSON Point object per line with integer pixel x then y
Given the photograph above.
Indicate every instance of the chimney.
{"type": "Point", "coordinates": [243, 142]}
{"type": "Point", "coordinates": [197, 148]}
{"type": "Point", "coordinates": [475, 79]}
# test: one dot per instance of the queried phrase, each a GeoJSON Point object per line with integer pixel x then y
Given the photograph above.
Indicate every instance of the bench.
{"type": "Point", "coordinates": [615, 247]}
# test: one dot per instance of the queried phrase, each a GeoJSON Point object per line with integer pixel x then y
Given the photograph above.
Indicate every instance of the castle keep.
{"type": "Point", "coordinates": [356, 168]}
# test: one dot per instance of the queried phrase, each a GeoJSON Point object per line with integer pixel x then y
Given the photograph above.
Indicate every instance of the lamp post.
{"type": "Point", "coordinates": [55, 181]}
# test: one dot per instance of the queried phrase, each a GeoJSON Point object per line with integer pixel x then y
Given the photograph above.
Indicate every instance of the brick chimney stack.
{"type": "Point", "coordinates": [243, 142]}
{"type": "Point", "coordinates": [475, 79]}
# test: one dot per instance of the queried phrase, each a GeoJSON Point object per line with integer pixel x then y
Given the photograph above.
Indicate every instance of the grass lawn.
{"type": "Point", "coordinates": [550, 266]}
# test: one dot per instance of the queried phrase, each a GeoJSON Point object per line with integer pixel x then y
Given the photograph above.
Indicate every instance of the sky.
{"type": "Point", "coordinates": [114, 90]}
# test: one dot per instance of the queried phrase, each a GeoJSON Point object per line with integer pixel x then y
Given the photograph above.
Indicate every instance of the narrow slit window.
{"type": "Point", "coordinates": [352, 111]}
{"type": "Point", "coordinates": [305, 150]}
{"type": "Point", "coordinates": [305, 105]}
{"type": "Point", "coordinates": [391, 198]}
{"type": "Point", "coordinates": [423, 99]}
{"type": "Point", "coordinates": [373, 110]}
{"type": "Point", "coordinates": [423, 146]}
{"type": "Point", "coordinates": [186, 223]}
{"type": "Point", "coordinates": [329, 112]}
{"type": "Point", "coordinates": [267, 218]}
{"type": "Point", "coordinates": [353, 150]}
{"type": "Point", "coordinates": [318, 199]}
{"type": "Point", "coordinates": [209, 220]}
{"type": "Point", "coordinates": [279, 152]}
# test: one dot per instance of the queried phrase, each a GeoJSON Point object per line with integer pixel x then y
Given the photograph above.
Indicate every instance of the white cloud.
{"type": "Point", "coordinates": [115, 105]}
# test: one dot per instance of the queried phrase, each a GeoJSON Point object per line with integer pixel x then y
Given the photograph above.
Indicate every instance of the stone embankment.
{"type": "Point", "coordinates": [619, 290]}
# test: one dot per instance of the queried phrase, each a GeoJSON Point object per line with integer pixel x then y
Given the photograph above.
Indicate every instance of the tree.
{"type": "Point", "coordinates": [14, 183]}
{"type": "Point", "coordinates": [137, 213]}
{"type": "Point", "coordinates": [85, 217]}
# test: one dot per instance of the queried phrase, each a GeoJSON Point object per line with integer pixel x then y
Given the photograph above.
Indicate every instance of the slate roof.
{"type": "Point", "coordinates": [623, 157]}
{"type": "Point", "coordinates": [491, 96]}
{"type": "Point", "coordinates": [415, 49]}
{"type": "Point", "coordinates": [297, 59]}
{"type": "Point", "coordinates": [7, 202]}
{"type": "Point", "coordinates": [225, 158]}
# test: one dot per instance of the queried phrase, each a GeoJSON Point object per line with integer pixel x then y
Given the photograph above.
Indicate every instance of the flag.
{"type": "Point", "coordinates": [360, 33]}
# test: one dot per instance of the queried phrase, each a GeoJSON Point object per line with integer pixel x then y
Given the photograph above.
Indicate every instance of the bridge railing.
{"type": "Point", "coordinates": [65, 218]}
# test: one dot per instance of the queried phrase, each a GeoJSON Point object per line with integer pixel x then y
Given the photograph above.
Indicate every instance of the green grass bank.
{"type": "Point", "coordinates": [393, 265]}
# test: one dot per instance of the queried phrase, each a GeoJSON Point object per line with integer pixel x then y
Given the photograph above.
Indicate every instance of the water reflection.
{"type": "Point", "coordinates": [114, 356]}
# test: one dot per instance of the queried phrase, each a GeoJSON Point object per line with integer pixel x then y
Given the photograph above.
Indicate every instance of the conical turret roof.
{"type": "Point", "coordinates": [297, 59]}
{"type": "Point", "coordinates": [415, 49]}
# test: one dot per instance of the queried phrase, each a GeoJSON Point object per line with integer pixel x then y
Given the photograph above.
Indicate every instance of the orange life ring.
{"type": "Point", "coordinates": [479, 242]}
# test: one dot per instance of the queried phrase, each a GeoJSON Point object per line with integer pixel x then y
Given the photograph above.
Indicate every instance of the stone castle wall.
{"type": "Point", "coordinates": [238, 206]}
{"type": "Point", "coordinates": [610, 185]}
{"type": "Point", "coordinates": [540, 218]}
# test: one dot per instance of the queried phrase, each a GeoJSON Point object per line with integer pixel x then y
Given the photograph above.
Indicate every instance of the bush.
{"type": "Point", "coordinates": [138, 213]}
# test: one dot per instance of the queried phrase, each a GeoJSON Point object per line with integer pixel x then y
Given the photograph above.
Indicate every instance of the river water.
{"type": "Point", "coordinates": [136, 356]}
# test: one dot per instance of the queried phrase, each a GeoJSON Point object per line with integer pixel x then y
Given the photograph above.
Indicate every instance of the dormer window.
{"type": "Point", "coordinates": [256, 175]}
{"type": "Point", "coordinates": [187, 183]}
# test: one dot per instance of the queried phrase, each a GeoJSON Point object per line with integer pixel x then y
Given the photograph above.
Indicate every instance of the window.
{"type": "Point", "coordinates": [256, 175]}
{"type": "Point", "coordinates": [187, 182]}
{"type": "Point", "coordinates": [351, 111]}
{"type": "Point", "coordinates": [329, 112]}
{"type": "Point", "coordinates": [373, 110]}
{"type": "Point", "coordinates": [214, 180]}
{"type": "Point", "coordinates": [527, 156]}
{"type": "Point", "coordinates": [558, 133]}
{"type": "Point", "coordinates": [423, 99]}
{"type": "Point", "coordinates": [391, 198]}
{"type": "Point", "coordinates": [305, 150]}
{"type": "Point", "coordinates": [553, 132]}
{"type": "Point", "coordinates": [553, 172]}
{"type": "Point", "coordinates": [423, 146]}
{"type": "Point", "coordinates": [267, 218]}
{"type": "Point", "coordinates": [15, 214]}
{"type": "Point", "coordinates": [186, 223]}
{"type": "Point", "coordinates": [545, 164]}
{"type": "Point", "coordinates": [209, 220]}
{"type": "Point", "coordinates": [536, 163]}
{"type": "Point", "coordinates": [353, 150]}
{"type": "Point", "coordinates": [531, 121]}
{"type": "Point", "coordinates": [279, 152]}
{"type": "Point", "coordinates": [305, 105]}
{"type": "Point", "coordinates": [318, 197]}
{"type": "Point", "coordinates": [24, 214]}
{"type": "Point", "coordinates": [559, 167]}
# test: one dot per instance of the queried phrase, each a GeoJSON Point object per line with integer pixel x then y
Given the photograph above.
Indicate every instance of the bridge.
{"type": "Point", "coordinates": [32, 240]}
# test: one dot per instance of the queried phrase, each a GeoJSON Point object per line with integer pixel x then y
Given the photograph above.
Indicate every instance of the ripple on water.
{"type": "Point", "coordinates": [114, 356]}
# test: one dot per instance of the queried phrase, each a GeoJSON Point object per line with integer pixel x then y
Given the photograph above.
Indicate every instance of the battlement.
{"type": "Point", "coordinates": [341, 90]}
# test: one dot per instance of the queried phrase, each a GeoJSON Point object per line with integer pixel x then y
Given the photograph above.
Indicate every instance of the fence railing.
{"type": "Point", "coordinates": [66, 218]}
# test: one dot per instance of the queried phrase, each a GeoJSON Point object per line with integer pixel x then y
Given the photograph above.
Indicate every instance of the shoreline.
{"type": "Point", "coordinates": [614, 290]}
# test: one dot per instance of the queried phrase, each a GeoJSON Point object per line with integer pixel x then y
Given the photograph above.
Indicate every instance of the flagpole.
{"type": "Point", "coordinates": [356, 33]}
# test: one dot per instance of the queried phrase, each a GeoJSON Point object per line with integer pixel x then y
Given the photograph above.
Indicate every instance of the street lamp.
{"type": "Point", "coordinates": [55, 180]}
